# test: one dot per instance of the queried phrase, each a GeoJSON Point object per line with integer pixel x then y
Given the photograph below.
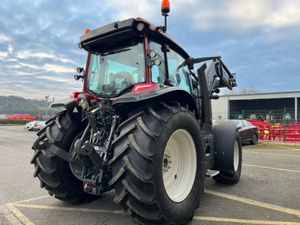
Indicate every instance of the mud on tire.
{"type": "Point", "coordinates": [53, 172]}
{"type": "Point", "coordinates": [138, 161]}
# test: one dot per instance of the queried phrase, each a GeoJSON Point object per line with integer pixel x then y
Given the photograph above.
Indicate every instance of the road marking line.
{"type": "Point", "coordinates": [273, 145]}
{"type": "Point", "coordinates": [272, 168]}
{"type": "Point", "coordinates": [243, 221]}
{"type": "Point", "coordinates": [253, 146]}
{"type": "Point", "coordinates": [30, 199]}
{"type": "Point", "coordinates": [20, 216]}
{"type": "Point", "coordinates": [68, 208]}
{"type": "Point", "coordinates": [276, 154]}
{"type": "Point", "coordinates": [272, 150]}
{"type": "Point", "coordinates": [200, 218]}
{"type": "Point", "coordinates": [290, 148]}
{"type": "Point", "coordinates": [254, 202]}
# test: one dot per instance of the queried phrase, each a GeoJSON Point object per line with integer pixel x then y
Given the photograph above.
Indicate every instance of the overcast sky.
{"type": "Point", "coordinates": [258, 39]}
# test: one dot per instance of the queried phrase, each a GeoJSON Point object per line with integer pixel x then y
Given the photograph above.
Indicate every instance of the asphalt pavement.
{"type": "Point", "coordinates": [268, 192]}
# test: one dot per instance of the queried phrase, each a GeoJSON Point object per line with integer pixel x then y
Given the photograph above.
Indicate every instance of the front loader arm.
{"type": "Point", "coordinates": [217, 74]}
{"type": "Point", "coordinates": [209, 80]}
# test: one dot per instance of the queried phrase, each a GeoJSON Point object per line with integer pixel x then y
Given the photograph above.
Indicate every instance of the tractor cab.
{"type": "Point", "coordinates": [132, 55]}
{"type": "Point", "coordinates": [133, 60]}
{"type": "Point", "coordinates": [128, 59]}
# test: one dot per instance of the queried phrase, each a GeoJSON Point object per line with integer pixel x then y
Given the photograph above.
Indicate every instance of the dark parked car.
{"type": "Point", "coordinates": [248, 132]}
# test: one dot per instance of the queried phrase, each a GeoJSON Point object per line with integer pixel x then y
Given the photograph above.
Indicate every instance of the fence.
{"type": "Point", "coordinates": [289, 131]}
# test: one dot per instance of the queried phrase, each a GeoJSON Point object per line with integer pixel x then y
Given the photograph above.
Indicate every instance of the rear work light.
{"type": "Point", "coordinates": [138, 88]}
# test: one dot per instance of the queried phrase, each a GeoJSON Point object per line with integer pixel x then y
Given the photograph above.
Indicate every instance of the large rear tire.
{"type": "Point", "coordinates": [53, 172]}
{"type": "Point", "coordinates": [158, 165]}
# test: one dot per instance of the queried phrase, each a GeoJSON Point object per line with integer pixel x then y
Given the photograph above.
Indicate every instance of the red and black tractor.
{"type": "Point", "coordinates": [142, 126]}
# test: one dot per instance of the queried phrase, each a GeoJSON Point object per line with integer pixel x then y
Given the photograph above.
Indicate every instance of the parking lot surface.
{"type": "Point", "coordinates": [268, 192]}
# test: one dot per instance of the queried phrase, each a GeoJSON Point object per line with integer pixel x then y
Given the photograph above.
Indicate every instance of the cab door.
{"type": "Point", "coordinates": [170, 67]}
{"type": "Point", "coordinates": [177, 73]}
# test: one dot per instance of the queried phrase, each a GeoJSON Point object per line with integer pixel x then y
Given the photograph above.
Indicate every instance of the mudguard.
{"type": "Point", "coordinates": [68, 105]}
{"type": "Point", "coordinates": [162, 93]}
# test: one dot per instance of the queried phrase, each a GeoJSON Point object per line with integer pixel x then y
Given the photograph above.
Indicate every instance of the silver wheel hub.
{"type": "Point", "coordinates": [179, 165]}
{"type": "Point", "coordinates": [236, 156]}
{"type": "Point", "coordinates": [75, 164]}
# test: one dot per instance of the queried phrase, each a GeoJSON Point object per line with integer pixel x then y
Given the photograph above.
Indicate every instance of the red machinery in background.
{"type": "Point", "coordinates": [23, 117]}
{"type": "Point", "coordinates": [278, 132]}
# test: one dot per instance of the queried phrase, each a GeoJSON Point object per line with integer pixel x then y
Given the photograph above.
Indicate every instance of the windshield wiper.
{"type": "Point", "coordinates": [115, 51]}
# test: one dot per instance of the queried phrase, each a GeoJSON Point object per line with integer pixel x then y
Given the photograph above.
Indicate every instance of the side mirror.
{"type": "Point", "coordinates": [238, 127]}
{"type": "Point", "coordinates": [79, 69]}
{"type": "Point", "coordinates": [78, 77]}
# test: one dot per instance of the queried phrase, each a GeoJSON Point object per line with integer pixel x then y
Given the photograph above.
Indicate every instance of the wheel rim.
{"type": "Point", "coordinates": [179, 165]}
{"type": "Point", "coordinates": [236, 156]}
{"type": "Point", "coordinates": [76, 165]}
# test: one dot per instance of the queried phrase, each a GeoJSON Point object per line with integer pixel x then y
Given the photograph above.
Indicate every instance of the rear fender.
{"type": "Point", "coordinates": [67, 105]}
{"type": "Point", "coordinates": [167, 94]}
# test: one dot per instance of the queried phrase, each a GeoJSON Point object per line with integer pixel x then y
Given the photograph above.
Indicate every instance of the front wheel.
{"type": "Point", "coordinates": [228, 153]}
{"type": "Point", "coordinates": [158, 165]}
{"type": "Point", "coordinates": [232, 174]}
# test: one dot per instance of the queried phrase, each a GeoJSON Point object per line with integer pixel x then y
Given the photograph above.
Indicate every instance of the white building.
{"type": "Point", "coordinates": [268, 106]}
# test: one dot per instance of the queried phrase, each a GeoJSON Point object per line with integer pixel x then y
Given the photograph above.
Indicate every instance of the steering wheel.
{"type": "Point", "coordinates": [139, 77]}
{"type": "Point", "coordinates": [125, 84]}
{"type": "Point", "coordinates": [127, 79]}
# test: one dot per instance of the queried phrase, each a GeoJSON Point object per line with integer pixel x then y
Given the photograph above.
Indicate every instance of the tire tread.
{"type": "Point", "coordinates": [133, 197]}
{"type": "Point", "coordinates": [49, 168]}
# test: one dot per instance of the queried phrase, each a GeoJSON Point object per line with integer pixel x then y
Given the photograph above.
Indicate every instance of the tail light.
{"type": "Point", "coordinates": [138, 88]}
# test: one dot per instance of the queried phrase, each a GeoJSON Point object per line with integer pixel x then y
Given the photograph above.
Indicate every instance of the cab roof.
{"type": "Point", "coordinates": [120, 32]}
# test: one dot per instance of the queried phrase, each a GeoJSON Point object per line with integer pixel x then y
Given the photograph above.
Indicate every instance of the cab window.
{"type": "Point", "coordinates": [178, 73]}
{"type": "Point", "coordinates": [158, 72]}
